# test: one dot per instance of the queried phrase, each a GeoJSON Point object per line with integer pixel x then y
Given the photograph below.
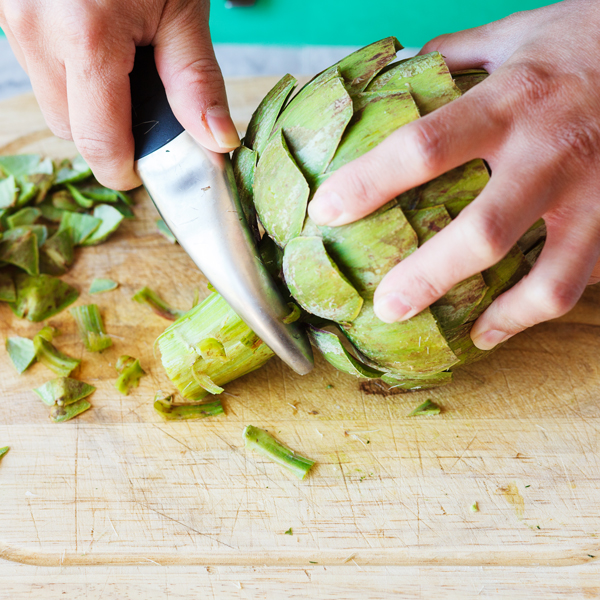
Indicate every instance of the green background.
{"type": "Point", "coordinates": [353, 22]}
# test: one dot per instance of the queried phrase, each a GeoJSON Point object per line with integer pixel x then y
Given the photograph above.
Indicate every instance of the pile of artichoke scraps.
{"type": "Point", "coordinates": [47, 210]}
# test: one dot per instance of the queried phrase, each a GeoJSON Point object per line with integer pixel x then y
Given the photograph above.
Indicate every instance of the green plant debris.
{"type": "Point", "coordinates": [39, 298]}
{"type": "Point", "coordinates": [64, 391]}
{"type": "Point", "coordinates": [4, 450]}
{"type": "Point", "coordinates": [130, 372]}
{"type": "Point", "coordinates": [289, 532]}
{"type": "Point", "coordinates": [91, 327]}
{"type": "Point", "coordinates": [79, 198]}
{"type": "Point", "coordinates": [57, 254]}
{"type": "Point", "coordinates": [8, 192]}
{"type": "Point", "coordinates": [73, 172]}
{"type": "Point", "coordinates": [294, 315]}
{"type": "Point", "coordinates": [427, 408]}
{"type": "Point", "coordinates": [25, 216]}
{"type": "Point", "coordinates": [165, 231]}
{"type": "Point", "coordinates": [81, 225]}
{"type": "Point", "coordinates": [151, 299]}
{"type": "Point", "coordinates": [474, 507]}
{"type": "Point", "coordinates": [60, 414]}
{"type": "Point", "coordinates": [21, 352]}
{"type": "Point", "coordinates": [181, 412]}
{"type": "Point", "coordinates": [110, 219]}
{"type": "Point", "coordinates": [100, 286]}
{"type": "Point", "coordinates": [265, 444]}
{"type": "Point", "coordinates": [51, 357]}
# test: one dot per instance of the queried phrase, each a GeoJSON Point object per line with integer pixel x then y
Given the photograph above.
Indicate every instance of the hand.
{"type": "Point", "coordinates": [79, 53]}
{"type": "Point", "coordinates": [536, 121]}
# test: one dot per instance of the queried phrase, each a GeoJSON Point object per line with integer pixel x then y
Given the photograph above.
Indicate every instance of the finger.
{"type": "Point", "coordinates": [553, 287]}
{"type": "Point", "coordinates": [478, 238]}
{"type": "Point", "coordinates": [595, 277]}
{"type": "Point", "coordinates": [46, 73]}
{"type": "Point", "coordinates": [100, 109]}
{"type": "Point", "coordinates": [414, 154]}
{"type": "Point", "coordinates": [193, 81]}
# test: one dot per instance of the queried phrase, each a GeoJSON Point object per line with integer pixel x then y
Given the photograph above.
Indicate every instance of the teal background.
{"type": "Point", "coordinates": [353, 22]}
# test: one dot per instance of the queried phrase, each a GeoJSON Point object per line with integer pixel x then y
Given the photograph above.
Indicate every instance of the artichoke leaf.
{"type": "Point", "coordinates": [8, 192]}
{"type": "Point", "coordinates": [110, 219]}
{"type": "Point", "coordinates": [426, 77]}
{"type": "Point", "coordinates": [316, 282]}
{"type": "Point", "coordinates": [25, 216]}
{"type": "Point", "coordinates": [244, 168]}
{"type": "Point", "coordinates": [39, 298]}
{"type": "Point", "coordinates": [264, 117]}
{"type": "Point", "coordinates": [314, 123]}
{"type": "Point", "coordinates": [21, 252]}
{"type": "Point", "coordinates": [410, 348]}
{"type": "Point", "coordinates": [376, 115]}
{"type": "Point", "coordinates": [7, 288]}
{"type": "Point", "coordinates": [81, 225]}
{"type": "Point", "coordinates": [280, 192]}
{"type": "Point", "coordinates": [57, 254]}
{"type": "Point", "coordinates": [335, 354]}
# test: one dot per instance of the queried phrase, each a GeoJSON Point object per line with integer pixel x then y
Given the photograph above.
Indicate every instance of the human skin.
{"type": "Point", "coordinates": [79, 53]}
{"type": "Point", "coordinates": [536, 121]}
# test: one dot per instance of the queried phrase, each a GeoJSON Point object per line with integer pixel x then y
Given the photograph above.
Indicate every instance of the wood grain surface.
{"type": "Point", "coordinates": [519, 435]}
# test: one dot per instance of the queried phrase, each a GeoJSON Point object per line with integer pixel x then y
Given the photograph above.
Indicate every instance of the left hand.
{"type": "Point", "coordinates": [536, 121]}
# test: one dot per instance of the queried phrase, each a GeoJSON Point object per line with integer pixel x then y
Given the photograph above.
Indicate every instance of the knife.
{"type": "Point", "coordinates": [194, 191]}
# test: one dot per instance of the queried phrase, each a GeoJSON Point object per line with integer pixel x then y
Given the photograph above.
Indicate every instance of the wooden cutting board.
{"type": "Point", "coordinates": [519, 436]}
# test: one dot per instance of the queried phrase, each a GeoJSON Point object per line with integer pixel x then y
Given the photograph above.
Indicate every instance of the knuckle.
{"type": "Point", "coordinates": [202, 73]}
{"type": "Point", "coordinates": [428, 140]}
{"type": "Point", "coordinates": [486, 237]}
{"type": "Point", "coordinates": [578, 138]}
{"type": "Point", "coordinates": [556, 298]}
{"type": "Point", "coordinates": [20, 17]}
{"type": "Point", "coordinates": [426, 289]}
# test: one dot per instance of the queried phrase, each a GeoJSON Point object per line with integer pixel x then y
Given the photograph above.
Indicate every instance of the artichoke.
{"type": "Point", "coordinates": [291, 147]}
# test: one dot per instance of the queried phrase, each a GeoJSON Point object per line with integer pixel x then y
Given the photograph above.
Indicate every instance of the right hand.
{"type": "Point", "coordinates": [79, 53]}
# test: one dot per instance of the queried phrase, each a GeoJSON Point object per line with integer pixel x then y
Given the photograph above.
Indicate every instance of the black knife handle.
{"type": "Point", "coordinates": [153, 121]}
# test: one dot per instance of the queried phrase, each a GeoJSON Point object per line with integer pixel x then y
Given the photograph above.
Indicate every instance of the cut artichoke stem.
{"type": "Point", "coordinates": [21, 352]}
{"type": "Point", "coordinates": [60, 414]}
{"type": "Point", "coordinates": [171, 412]}
{"type": "Point", "coordinates": [130, 372]}
{"type": "Point", "coordinates": [212, 319]}
{"type": "Point", "coordinates": [99, 286]}
{"type": "Point", "coordinates": [51, 357]}
{"type": "Point", "coordinates": [265, 444]}
{"type": "Point", "coordinates": [64, 391]}
{"type": "Point", "coordinates": [39, 298]}
{"type": "Point", "coordinates": [316, 282]}
{"type": "Point", "coordinates": [91, 327]}
{"type": "Point", "coordinates": [279, 180]}
{"type": "Point", "coordinates": [151, 299]}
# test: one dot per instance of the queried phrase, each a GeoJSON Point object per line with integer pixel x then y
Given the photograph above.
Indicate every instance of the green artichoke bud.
{"type": "Point", "coordinates": [292, 146]}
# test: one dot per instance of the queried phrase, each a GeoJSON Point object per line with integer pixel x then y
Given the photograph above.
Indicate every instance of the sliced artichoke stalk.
{"type": "Point", "coordinates": [180, 346]}
{"type": "Point", "coordinates": [265, 444]}
{"type": "Point", "coordinates": [130, 372]}
{"type": "Point", "coordinates": [50, 356]}
{"type": "Point", "coordinates": [39, 298]}
{"type": "Point", "coordinates": [64, 391]}
{"type": "Point", "coordinates": [21, 352]}
{"type": "Point", "coordinates": [91, 327]}
{"type": "Point", "coordinates": [164, 406]}
{"type": "Point", "coordinates": [158, 306]}
{"type": "Point", "coordinates": [332, 272]}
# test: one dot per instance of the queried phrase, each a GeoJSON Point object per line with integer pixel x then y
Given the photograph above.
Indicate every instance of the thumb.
{"type": "Point", "coordinates": [186, 63]}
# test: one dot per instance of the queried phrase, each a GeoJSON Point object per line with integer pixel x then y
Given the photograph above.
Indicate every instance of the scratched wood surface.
{"type": "Point", "coordinates": [519, 435]}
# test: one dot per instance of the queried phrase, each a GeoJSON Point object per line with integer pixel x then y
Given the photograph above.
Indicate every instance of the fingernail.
{"type": "Point", "coordinates": [392, 308]}
{"type": "Point", "coordinates": [222, 128]}
{"type": "Point", "coordinates": [325, 208]}
{"type": "Point", "coordinates": [489, 339]}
